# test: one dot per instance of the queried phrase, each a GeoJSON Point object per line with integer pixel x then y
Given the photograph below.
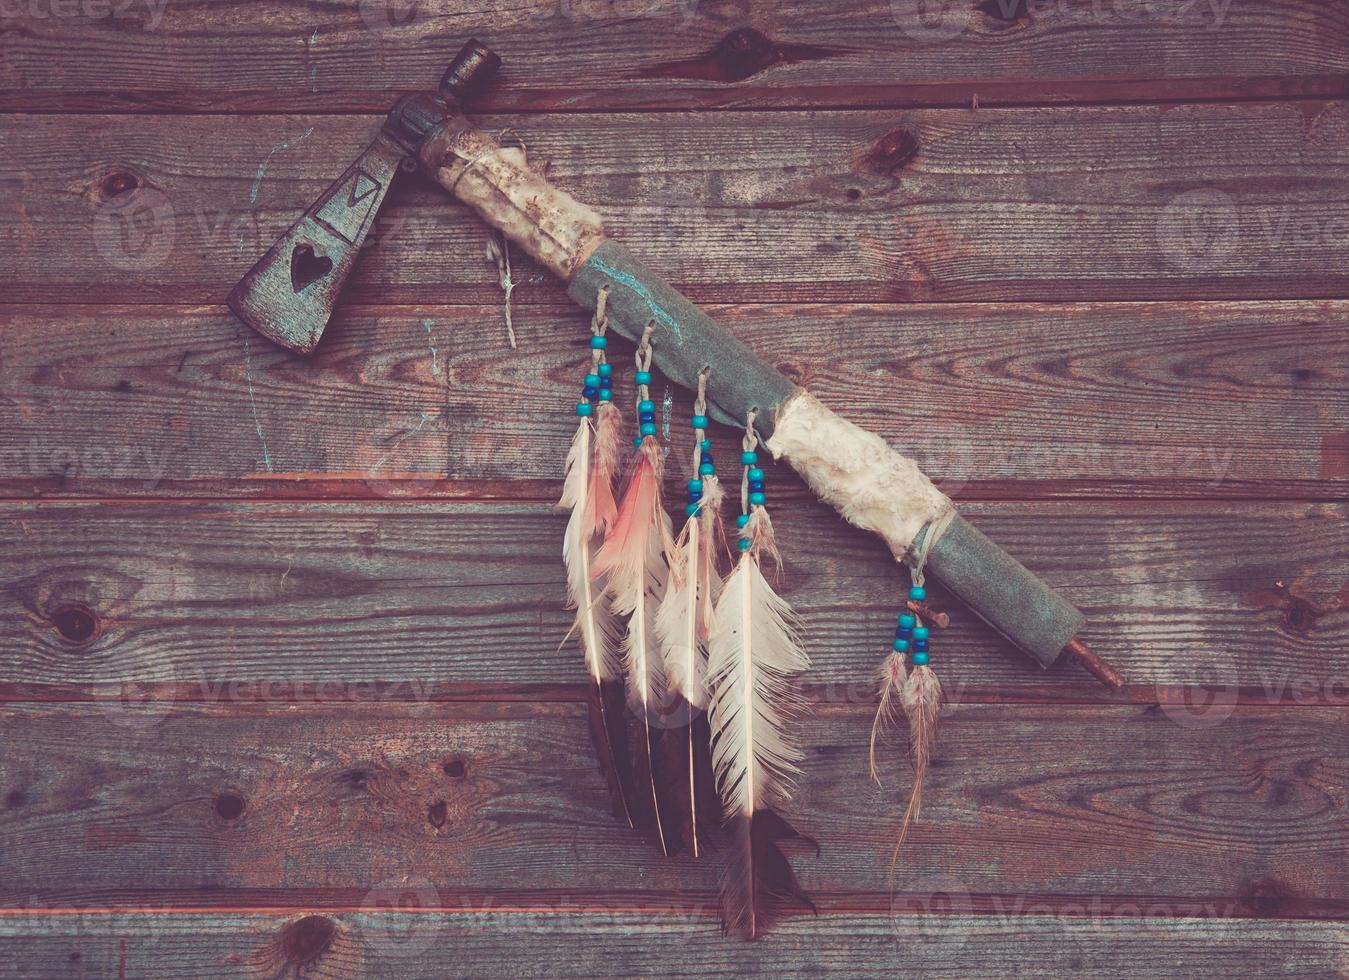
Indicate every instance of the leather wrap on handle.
{"type": "Point", "coordinates": [569, 239]}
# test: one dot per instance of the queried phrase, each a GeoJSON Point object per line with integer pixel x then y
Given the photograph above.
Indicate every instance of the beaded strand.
{"type": "Point", "coordinates": [646, 408]}
{"type": "Point", "coordinates": [599, 382]}
{"type": "Point", "coordinates": [703, 464]}
{"type": "Point", "coordinates": [751, 482]}
{"type": "Point", "coordinates": [911, 633]}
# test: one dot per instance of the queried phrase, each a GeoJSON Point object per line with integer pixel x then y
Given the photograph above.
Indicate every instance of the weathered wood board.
{"type": "Point", "coordinates": [433, 599]}
{"type": "Point", "coordinates": [593, 54]}
{"type": "Point", "coordinates": [1208, 201]}
{"type": "Point", "coordinates": [392, 939]}
{"type": "Point", "coordinates": [317, 802]}
{"type": "Point", "coordinates": [1194, 399]}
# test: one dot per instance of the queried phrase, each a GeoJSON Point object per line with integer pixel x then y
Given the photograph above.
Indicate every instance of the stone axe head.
{"type": "Point", "coordinates": [290, 294]}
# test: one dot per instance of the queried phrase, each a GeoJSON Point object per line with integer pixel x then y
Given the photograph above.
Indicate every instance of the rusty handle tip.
{"type": "Point", "coordinates": [1096, 665]}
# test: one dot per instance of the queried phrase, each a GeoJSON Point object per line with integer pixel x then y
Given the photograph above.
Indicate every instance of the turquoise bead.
{"type": "Point", "coordinates": [606, 395]}
{"type": "Point", "coordinates": [757, 499]}
{"type": "Point", "coordinates": [749, 457]}
{"type": "Point", "coordinates": [599, 343]}
{"type": "Point", "coordinates": [920, 659]}
{"type": "Point", "coordinates": [646, 405]}
{"type": "Point", "coordinates": [907, 620]}
{"type": "Point", "coordinates": [583, 409]}
{"type": "Point", "coordinates": [695, 486]}
{"type": "Point", "coordinates": [700, 421]}
{"type": "Point", "coordinates": [901, 645]}
{"type": "Point", "coordinates": [637, 442]}
{"type": "Point", "coordinates": [691, 509]}
{"type": "Point", "coordinates": [744, 544]}
{"type": "Point", "coordinates": [917, 593]}
{"type": "Point", "coordinates": [706, 445]}
{"type": "Point", "coordinates": [920, 633]}
{"type": "Point", "coordinates": [707, 469]}
{"type": "Point", "coordinates": [741, 520]}
{"type": "Point", "coordinates": [606, 369]}
{"type": "Point", "coordinates": [642, 377]}
{"type": "Point", "coordinates": [648, 428]}
{"type": "Point", "coordinates": [592, 381]}
{"type": "Point", "coordinates": [755, 473]}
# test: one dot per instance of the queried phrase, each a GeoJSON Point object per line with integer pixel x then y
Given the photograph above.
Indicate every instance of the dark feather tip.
{"type": "Point", "coordinates": [759, 884]}
{"type": "Point", "coordinates": [608, 732]}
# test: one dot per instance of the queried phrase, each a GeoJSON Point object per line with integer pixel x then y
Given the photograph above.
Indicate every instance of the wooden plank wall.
{"type": "Point", "coordinates": [279, 665]}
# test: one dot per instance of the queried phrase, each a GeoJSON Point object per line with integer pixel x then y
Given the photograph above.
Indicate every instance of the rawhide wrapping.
{"type": "Point", "coordinates": [865, 480]}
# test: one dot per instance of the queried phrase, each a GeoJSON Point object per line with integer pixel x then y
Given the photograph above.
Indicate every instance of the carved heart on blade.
{"type": "Point", "coordinates": [306, 267]}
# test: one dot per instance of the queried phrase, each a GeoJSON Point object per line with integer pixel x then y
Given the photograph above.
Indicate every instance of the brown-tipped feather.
{"type": "Point", "coordinates": [921, 698]}
{"type": "Point", "coordinates": [759, 883]}
{"type": "Point", "coordinates": [608, 732]}
{"type": "Point", "coordinates": [695, 807]}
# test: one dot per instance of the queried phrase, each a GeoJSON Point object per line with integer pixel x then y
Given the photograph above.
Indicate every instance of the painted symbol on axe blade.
{"type": "Point", "coordinates": [290, 294]}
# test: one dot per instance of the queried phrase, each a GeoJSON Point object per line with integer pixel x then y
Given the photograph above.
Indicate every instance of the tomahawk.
{"type": "Point", "coordinates": [291, 292]}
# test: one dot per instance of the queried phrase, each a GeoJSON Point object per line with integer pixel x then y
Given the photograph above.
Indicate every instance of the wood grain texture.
{"type": "Point", "coordinates": [1207, 399]}
{"type": "Point", "coordinates": [432, 946]}
{"type": "Point", "coordinates": [319, 804]}
{"type": "Point", "coordinates": [248, 600]}
{"type": "Point", "coordinates": [195, 54]}
{"type": "Point", "coordinates": [1037, 204]}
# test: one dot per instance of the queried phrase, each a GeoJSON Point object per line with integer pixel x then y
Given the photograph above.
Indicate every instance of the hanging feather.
{"type": "Point", "coordinates": [587, 491]}
{"type": "Point", "coordinates": [754, 655]}
{"type": "Point", "coordinates": [683, 626]}
{"type": "Point", "coordinates": [632, 561]}
{"type": "Point", "coordinates": [918, 693]}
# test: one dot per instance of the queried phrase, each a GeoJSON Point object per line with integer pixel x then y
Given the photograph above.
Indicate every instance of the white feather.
{"type": "Point", "coordinates": [683, 625]}
{"type": "Point", "coordinates": [755, 653]}
{"type": "Point", "coordinates": [595, 622]}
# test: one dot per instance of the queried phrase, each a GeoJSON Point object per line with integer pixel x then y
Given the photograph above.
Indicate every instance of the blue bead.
{"type": "Point", "coordinates": [901, 645]}
{"type": "Point", "coordinates": [645, 405]}
{"type": "Point", "coordinates": [606, 369]}
{"type": "Point", "coordinates": [749, 457]}
{"type": "Point", "coordinates": [583, 409]}
{"type": "Point", "coordinates": [756, 486]}
{"type": "Point", "coordinates": [741, 520]}
{"type": "Point", "coordinates": [695, 485]}
{"type": "Point", "coordinates": [695, 497]}
{"type": "Point", "coordinates": [589, 391]}
{"type": "Point", "coordinates": [744, 544]}
{"type": "Point", "coordinates": [755, 473]}
{"type": "Point", "coordinates": [706, 445]}
{"type": "Point", "coordinates": [707, 469]}
{"type": "Point", "coordinates": [921, 633]}
{"type": "Point", "coordinates": [592, 381]}
{"type": "Point", "coordinates": [606, 382]}
{"type": "Point", "coordinates": [599, 343]}
{"type": "Point", "coordinates": [691, 509]}
{"type": "Point", "coordinates": [920, 659]}
{"type": "Point", "coordinates": [757, 499]}
{"type": "Point", "coordinates": [648, 428]}
{"type": "Point", "coordinates": [700, 421]}
{"type": "Point", "coordinates": [917, 593]}
{"type": "Point", "coordinates": [606, 395]}
{"type": "Point", "coordinates": [907, 620]}
{"type": "Point", "coordinates": [920, 646]}
{"type": "Point", "coordinates": [647, 417]}
{"type": "Point", "coordinates": [642, 377]}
